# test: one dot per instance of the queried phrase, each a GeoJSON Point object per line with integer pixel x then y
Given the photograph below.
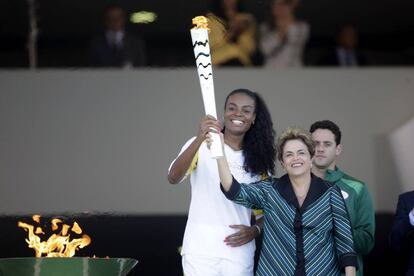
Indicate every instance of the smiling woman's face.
{"type": "Point", "coordinates": [239, 113]}
{"type": "Point", "coordinates": [296, 160]}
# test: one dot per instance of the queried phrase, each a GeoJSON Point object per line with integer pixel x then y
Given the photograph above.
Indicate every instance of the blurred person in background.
{"type": "Point", "coordinates": [116, 47]}
{"type": "Point", "coordinates": [283, 38]}
{"type": "Point", "coordinates": [232, 35]}
{"type": "Point", "coordinates": [346, 53]}
{"type": "Point", "coordinates": [401, 238]}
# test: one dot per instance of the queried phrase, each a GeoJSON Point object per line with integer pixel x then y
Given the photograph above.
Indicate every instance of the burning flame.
{"type": "Point", "coordinates": [200, 22]}
{"type": "Point", "coordinates": [58, 245]}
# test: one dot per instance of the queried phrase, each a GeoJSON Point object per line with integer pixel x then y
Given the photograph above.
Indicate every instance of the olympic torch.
{"type": "Point", "coordinates": [199, 36]}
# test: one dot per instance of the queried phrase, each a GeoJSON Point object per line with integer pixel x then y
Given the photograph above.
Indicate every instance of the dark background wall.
{"type": "Point", "coordinates": [386, 29]}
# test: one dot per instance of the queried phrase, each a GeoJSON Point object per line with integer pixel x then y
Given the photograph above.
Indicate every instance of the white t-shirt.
{"type": "Point", "coordinates": [211, 212]}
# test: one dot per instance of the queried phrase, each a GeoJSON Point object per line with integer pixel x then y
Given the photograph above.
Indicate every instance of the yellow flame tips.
{"type": "Point", "coordinates": [36, 218]}
{"type": "Point", "coordinates": [76, 229]}
{"type": "Point", "coordinates": [65, 229]}
{"type": "Point", "coordinates": [39, 231]}
{"type": "Point", "coordinates": [200, 22]}
{"type": "Point", "coordinates": [57, 245]}
{"type": "Point", "coordinates": [55, 222]}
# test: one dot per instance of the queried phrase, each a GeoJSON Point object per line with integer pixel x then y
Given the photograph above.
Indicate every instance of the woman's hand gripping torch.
{"type": "Point", "coordinates": [199, 36]}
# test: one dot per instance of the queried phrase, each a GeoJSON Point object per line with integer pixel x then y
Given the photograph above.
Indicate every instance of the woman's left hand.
{"type": "Point", "coordinates": [243, 236]}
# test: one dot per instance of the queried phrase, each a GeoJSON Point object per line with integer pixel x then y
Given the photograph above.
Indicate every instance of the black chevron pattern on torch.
{"type": "Point", "coordinates": [208, 76]}
{"type": "Point", "coordinates": [198, 43]}
{"type": "Point", "coordinates": [202, 54]}
{"type": "Point", "coordinates": [205, 66]}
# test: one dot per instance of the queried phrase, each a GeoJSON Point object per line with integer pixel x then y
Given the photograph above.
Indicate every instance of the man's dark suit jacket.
{"type": "Point", "coordinates": [103, 55]}
{"type": "Point", "coordinates": [402, 232]}
{"type": "Point", "coordinates": [332, 59]}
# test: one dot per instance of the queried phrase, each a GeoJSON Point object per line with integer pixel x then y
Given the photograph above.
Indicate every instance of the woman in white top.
{"type": "Point", "coordinates": [218, 238]}
{"type": "Point", "coordinates": [283, 38]}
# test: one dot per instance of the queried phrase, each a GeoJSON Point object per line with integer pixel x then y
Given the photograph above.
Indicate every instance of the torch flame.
{"type": "Point", "coordinates": [57, 245]}
{"type": "Point", "coordinates": [39, 230]}
{"type": "Point", "coordinates": [200, 22]}
{"type": "Point", "coordinates": [65, 229]}
{"type": "Point", "coordinates": [55, 223]}
{"type": "Point", "coordinates": [76, 228]}
{"type": "Point", "coordinates": [36, 218]}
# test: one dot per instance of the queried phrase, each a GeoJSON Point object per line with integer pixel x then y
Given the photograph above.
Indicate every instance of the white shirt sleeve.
{"type": "Point", "coordinates": [411, 218]}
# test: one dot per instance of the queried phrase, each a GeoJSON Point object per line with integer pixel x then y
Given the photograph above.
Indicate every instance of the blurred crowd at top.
{"type": "Point", "coordinates": [237, 38]}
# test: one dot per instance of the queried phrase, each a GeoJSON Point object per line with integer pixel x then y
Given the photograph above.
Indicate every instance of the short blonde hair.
{"type": "Point", "coordinates": [295, 133]}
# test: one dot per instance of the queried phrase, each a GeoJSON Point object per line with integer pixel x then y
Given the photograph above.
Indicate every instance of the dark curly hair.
{"type": "Point", "coordinates": [329, 125]}
{"type": "Point", "coordinates": [259, 147]}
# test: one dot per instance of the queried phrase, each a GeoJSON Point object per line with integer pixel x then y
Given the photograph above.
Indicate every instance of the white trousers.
{"type": "Point", "coordinates": [197, 265]}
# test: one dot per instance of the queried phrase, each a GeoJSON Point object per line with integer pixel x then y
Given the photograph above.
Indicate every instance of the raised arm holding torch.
{"type": "Point", "coordinates": [199, 36]}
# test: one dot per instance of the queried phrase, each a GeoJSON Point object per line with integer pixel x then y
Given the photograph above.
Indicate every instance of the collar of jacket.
{"type": "Point", "coordinates": [334, 175]}
{"type": "Point", "coordinates": [317, 188]}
